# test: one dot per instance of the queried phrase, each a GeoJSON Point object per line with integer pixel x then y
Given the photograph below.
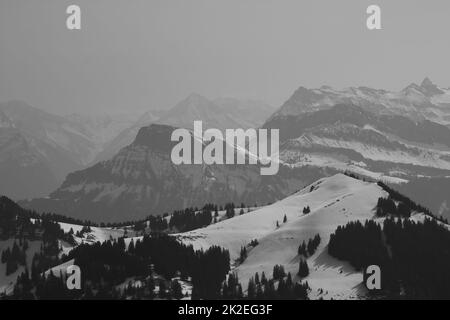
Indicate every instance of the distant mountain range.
{"type": "Point", "coordinates": [39, 149]}
{"type": "Point", "coordinates": [141, 180]}
{"type": "Point", "coordinates": [220, 113]}
{"type": "Point", "coordinates": [45, 148]}
{"type": "Point", "coordinates": [417, 102]}
{"type": "Point", "coordinates": [224, 113]}
{"type": "Point", "coordinates": [390, 136]}
{"type": "Point", "coordinates": [374, 132]}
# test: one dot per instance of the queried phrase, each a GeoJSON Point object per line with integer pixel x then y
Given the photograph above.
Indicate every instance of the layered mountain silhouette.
{"type": "Point", "coordinates": [221, 113]}
{"type": "Point", "coordinates": [373, 132]}
{"type": "Point", "coordinates": [388, 136]}
{"type": "Point", "coordinates": [141, 180]}
{"type": "Point", "coordinates": [60, 145]}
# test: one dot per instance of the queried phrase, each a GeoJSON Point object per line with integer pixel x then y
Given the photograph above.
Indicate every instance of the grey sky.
{"type": "Point", "coordinates": [143, 54]}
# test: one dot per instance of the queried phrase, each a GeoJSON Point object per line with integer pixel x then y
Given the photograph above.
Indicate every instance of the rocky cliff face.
{"type": "Point", "coordinates": [372, 132]}
{"type": "Point", "coordinates": [141, 180]}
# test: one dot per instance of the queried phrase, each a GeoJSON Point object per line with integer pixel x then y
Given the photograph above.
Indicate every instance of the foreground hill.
{"type": "Point", "coordinates": [333, 201]}
{"type": "Point", "coordinates": [265, 247]}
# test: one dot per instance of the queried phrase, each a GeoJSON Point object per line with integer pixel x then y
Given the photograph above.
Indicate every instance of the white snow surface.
{"type": "Point", "coordinates": [97, 234]}
{"type": "Point", "coordinates": [334, 201]}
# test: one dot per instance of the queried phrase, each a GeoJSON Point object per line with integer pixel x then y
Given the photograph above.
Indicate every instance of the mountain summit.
{"type": "Point", "coordinates": [414, 102]}
{"type": "Point", "coordinates": [142, 180]}
{"type": "Point", "coordinates": [429, 88]}
{"type": "Point", "coordinates": [222, 113]}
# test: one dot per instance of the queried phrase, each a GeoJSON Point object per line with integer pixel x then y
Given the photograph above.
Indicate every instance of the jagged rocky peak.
{"type": "Point", "coordinates": [429, 88]}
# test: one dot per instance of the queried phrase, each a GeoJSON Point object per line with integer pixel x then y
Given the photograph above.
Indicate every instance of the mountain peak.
{"type": "Point", "coordinates": [427, 82]}
{"type": "Point", "coordinates": [429, 88]}
{"type": "Point", "coordinates": [195, 98]}
{"type": "Point", "coordinates": [155, 136]}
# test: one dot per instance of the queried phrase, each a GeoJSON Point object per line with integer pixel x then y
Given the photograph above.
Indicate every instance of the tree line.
{"type": "Point", "coordinates": [414, 257]}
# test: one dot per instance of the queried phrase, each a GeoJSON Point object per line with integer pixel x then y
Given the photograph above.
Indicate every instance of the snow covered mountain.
{"type": "Point", "coordinates": [103, 128]}
{"type": "Point", "coordinates": [372, 132]}
{"type": "Point", "coordinates": [61, 145]}
{"type": "Point", "coordinates": [24, 170]}
{"type": "Point", "coordinates": [418, 102]}
{"type": "Point", "coordinates": [50, 130]}
{"type": "Point", "coordinates": [39, 149]}
{"type": "Point", "coordinates": [222, 113]}
{"type": "Point", "coordinates": [79, 234]}
{"type": "Point", "coordinates": [141, 180]}
{"type": "Point", "coordinates": [127, 135]}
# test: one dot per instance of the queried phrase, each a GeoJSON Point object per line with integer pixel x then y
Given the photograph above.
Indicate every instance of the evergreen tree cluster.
{"type": "Point", "coordinates": [209, 272]}
{"type": "Point", "coordinates": [9, 210]}
{"type": "Point", "coordinates": [278, 272]}
{"type": "Point", "coordinates": [16, 222]}
{"type": "Point", "coordinates": [192, 218]}
{"type": "Point", "coordinates": [303, 269]}
{"type": "Point", "coordinates": [306, 210]}
{"type": "Point", "coordinates": [145, 289]}
{"type": "Point", "coordinates": [46, 258]}
{"type": "Point", "coordinates": [106, 265]}
{"type": "Point", "coordinates": [158, 223]}
{"type": "Point", "coordinates": [387, 206]}
{"type": "Point", "coordinates": [282, 288]}
{"type": "Point", "coordinates": [360, 244]}
{"type": "Point", "coordinates": [408, 205]}
{"type": "Point", "coordinates": [231, 288]}
{"type": "Point", "coordinates": [243, 254]}
{"type": "Point", "coordinates": [417, 263]}
{"type": "Point", "coordinates": [254, 243]}
{"type": "Point", "coordinates": [308, 249]}
{"type": "Point", "coordinates": [229, 210]}
{"type": "Point", "coordinates": [188, 219]}
{"type": "Point", "coordinates": [14, 257]}
{"type": "Point", "coordinates": [42, 287]}
{"type": "Point", "coordinates": [82, 232]}
{"type": "Point", "coordinates": [357, 177]}
{"type": "Point", "coordinates": [265, 289]}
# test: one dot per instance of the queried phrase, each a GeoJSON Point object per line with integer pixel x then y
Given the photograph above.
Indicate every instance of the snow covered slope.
{"type": "Point", "coordinates": [333, 201]}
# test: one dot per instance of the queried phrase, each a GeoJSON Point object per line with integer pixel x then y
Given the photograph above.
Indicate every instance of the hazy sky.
{"type": "Point", "coordinates": [143, 54]}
